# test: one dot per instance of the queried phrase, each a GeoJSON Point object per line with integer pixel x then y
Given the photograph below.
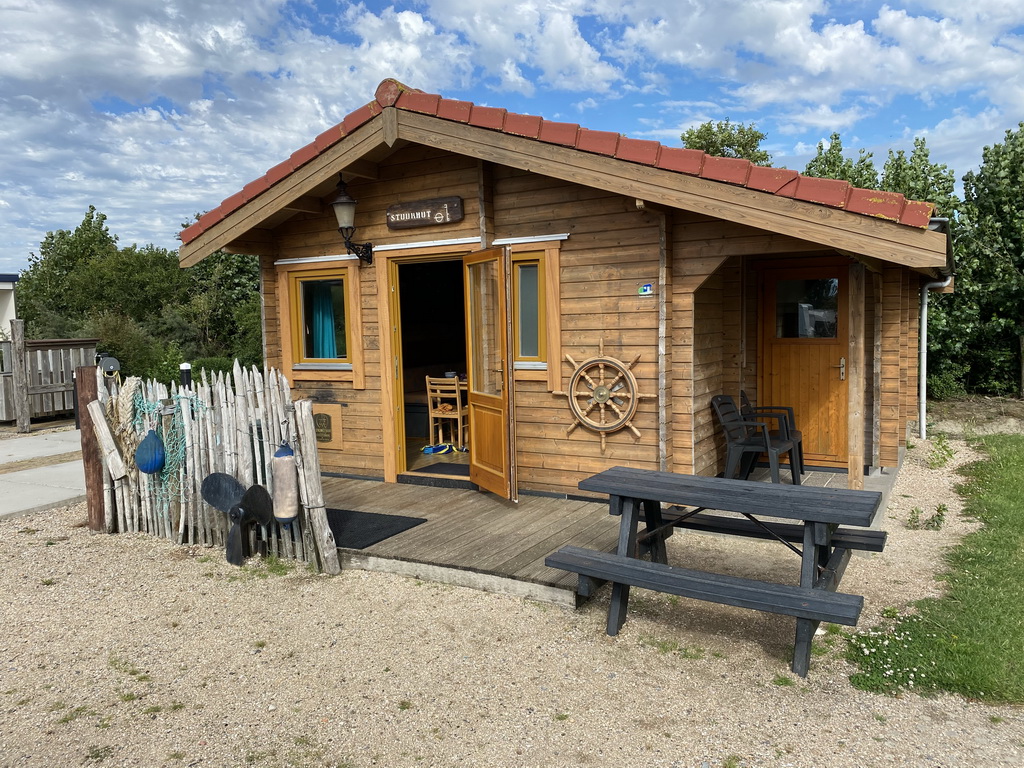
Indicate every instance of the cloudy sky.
{"type": "Point", "coordinates": [155, 110]}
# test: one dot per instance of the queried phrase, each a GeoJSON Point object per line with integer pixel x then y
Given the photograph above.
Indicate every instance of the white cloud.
{"type": "Point", "coordinates": [152, 111]}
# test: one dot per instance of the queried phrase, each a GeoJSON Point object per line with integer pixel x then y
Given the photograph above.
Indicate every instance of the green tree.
{"type": "Point", "coordinates": [48, 299]}
{"type": "Point", "coordinates": [916, 177]}
{"type": "Point", "coordinates": [728, 139]}
{"type": "Point", "coordinates": [144, 309]}
{"type": "Point", "coordinates": [831, 163]}
{"type": "Point", "coordinates": [984, 321]}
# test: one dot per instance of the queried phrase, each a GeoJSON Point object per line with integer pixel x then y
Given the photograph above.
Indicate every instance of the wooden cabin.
{"type": "Point", "coordinates": [594, 290]}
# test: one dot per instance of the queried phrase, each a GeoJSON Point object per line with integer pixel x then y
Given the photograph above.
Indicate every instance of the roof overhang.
{"type": "Point", "coordinates": [247, 227]}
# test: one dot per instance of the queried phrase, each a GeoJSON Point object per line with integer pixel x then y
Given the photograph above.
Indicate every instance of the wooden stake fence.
{"type": "Point", "coordinates": [222, 423]}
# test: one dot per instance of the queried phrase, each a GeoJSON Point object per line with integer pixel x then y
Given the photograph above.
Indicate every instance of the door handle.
{"type": "Point", "coordinates": [842, 368]}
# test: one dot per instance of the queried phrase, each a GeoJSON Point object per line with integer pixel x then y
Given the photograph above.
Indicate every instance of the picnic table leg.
{"type": "Point", "coordinates": [805, 628]}
{"type": "Point", "coordinates": [627, 548]}
{"type": "Point", "coordinates": [656, 544]}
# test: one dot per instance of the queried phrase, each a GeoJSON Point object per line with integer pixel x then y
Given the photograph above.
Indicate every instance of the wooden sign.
{"type": "Point", "coordinates": [425, 213]}
{"type": "Point", "coordinates": [327, 425]}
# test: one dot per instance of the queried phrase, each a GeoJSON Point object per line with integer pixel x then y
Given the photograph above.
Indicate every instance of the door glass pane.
{"type": "Point", "coordinates": [485, 331]}
{"type": "Point", "coordinates": [528, 311]}
{"type": "Point", "coordinates": [807, 309]}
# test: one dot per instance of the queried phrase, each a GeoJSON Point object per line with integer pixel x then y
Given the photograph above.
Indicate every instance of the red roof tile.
{"type": "Point", "coordinates": [417, 101]}
{"type": "Point", "coordinates": [771, 180]}
{"type": "Point", "coordinates": [830, 192]}
{"type": "Point", "coordinates": [917, 214]}
{"type": "Point", "coordinates": [871, 202]}
{"type": "Point", "coordinates": [688, 161]}
{"type": "Point", "coordinates": [775, 181]}
{"type": "Point", "coordinates": [450, 109]}
{"type": "Point", "coordinates": [638, 151]}
{"type": "Point", "coordinates": [732, 170]}
{"type": "Point", "coordinates": [558, 133]}
{"type": "Point", "coordinates": [523, 125]}
{"type": "Point", "coordinates": [600, 142]}
{"type": "Point", "coordinates": [487, 117]}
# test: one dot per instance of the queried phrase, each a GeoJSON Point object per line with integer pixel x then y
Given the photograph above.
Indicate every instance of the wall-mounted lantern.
{"type": "Point", "coordinates": [345, 211]}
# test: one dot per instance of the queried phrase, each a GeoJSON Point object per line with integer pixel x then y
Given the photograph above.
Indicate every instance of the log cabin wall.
{"type": "Point", "coordinates": [872, 369]}
{"type": "Point", "coordinates": [612, 251]}
{"type": "Point", "coordinates": [708, 372]}
{"type": "Point", "coordinates": [892, 379]}
{"type": "Point", "coordinates": [613, 248]}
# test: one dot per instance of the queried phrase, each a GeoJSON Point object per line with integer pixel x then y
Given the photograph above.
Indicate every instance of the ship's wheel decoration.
{"type": "Point", "coordinates": [603, 395]}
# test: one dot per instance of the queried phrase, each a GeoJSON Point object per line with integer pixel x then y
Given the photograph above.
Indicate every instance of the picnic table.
{"type": "Point", "coordinates": [826, 523]}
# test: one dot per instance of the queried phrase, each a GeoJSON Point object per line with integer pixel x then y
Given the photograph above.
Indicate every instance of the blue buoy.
{"type": "Point", "coordinates": [150, 456]}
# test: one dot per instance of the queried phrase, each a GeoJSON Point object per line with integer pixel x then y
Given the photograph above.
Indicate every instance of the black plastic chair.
{"type": "Point", "coordinates": [785, 419]}
{"type": "Point", "coordinates": [746, 440]}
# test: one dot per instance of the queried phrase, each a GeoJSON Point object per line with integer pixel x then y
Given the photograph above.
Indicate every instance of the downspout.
{"type": "Point", "coordinates": [939, 225]}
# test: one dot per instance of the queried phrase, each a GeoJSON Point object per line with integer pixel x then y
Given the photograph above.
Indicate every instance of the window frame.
{"type": "Point", "coordinates": [296, 282]}
{"type": "Point", "coordinates": [547, 254]}
{"type": "Point", "coordinates": [290, 279]}
{"type": "Point", "coordinates": [536, 259]}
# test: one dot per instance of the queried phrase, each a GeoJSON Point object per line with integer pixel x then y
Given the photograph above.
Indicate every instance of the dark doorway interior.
{"type": "Point", "coordinates": [431, 306]}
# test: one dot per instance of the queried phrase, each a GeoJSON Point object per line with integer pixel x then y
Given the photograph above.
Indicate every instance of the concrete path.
{"type": "Point", "coordinates": [40, 472]}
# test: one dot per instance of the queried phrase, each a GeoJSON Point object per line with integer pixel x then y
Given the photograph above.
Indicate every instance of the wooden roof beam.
{"type": "Point", "coordinates": [886, 240]}
{"type": "Point", "coordinates": [321, 169]}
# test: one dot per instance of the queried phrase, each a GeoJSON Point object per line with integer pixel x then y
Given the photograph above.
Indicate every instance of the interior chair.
{"type": "Point", "coordinates": [446, 404]}
{"type": "Point", "coordinates": [785, 422]}
{"type": "Point", "coordinates": [746, 440]}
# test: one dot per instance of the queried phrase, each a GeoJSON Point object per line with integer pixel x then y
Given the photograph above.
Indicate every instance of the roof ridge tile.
{"type": "Point", "coordinates": [552, 132]}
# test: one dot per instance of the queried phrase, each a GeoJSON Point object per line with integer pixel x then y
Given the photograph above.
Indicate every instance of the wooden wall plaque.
{"type": "Point", "coordinates": [327, 425]}
{"type": "Point", "coordinates": [425, 213]}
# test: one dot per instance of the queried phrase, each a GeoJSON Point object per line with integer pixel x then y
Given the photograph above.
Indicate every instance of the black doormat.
{"type": "Point", "coordinates": [445, 468]}
{"type": "Point", "coordinates": [359, 530]}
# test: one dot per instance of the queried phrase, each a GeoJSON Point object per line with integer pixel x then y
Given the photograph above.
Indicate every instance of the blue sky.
{"type": "Point", "coordinates": [155, 111]}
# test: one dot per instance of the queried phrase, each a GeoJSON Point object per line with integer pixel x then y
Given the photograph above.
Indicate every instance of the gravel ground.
{"type": "Point", "coordinates": [129, 651]}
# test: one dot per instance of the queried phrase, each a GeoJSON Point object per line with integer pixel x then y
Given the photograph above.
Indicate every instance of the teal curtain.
{"type": "Point", "coordinates": [324, 343]}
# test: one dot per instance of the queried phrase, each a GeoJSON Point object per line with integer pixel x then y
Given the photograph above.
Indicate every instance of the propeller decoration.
{"type": "Point", "coordinates": [243, 508]}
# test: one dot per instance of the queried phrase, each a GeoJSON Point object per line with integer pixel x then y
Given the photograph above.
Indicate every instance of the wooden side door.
{"type": "Point", "coordinates": [489, 371]}
{"type": "Point", "coordinates": [804, 349]}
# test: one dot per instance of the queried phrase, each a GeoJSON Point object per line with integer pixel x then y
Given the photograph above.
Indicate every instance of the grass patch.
{"type": "Point", "coordinates": [98, 754]}
{"type": "Point", "coordinates": [969, 641]}
{"type": "Point", "coordinates": [76, 713]}
{"type": "Point", "coordinates": [671, 646]}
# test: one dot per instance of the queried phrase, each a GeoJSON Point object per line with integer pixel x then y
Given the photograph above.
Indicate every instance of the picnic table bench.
{"type": "Point", "coordinates": [829, 524]}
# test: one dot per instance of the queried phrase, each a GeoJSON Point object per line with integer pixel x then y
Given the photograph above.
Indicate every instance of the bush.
{"type": "Point", "coordinates": [948, 383]}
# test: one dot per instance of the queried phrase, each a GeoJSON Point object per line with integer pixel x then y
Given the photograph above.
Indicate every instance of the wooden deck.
{"type": "Point", "coordinates": [475, 539]}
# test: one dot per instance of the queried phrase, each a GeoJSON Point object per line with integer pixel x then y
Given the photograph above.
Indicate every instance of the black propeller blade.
{"type": "Point", "coordinates": [221, 491]}
{"type": "Point", "coordinates": [243, 508]}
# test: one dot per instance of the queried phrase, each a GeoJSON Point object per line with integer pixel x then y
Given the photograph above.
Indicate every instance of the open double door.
{"type": "Point", "coordinates": [487, 297]}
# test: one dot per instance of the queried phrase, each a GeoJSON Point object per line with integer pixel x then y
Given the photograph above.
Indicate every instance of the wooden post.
{"type": "Point", "coordinates": [19, 367]}
{"type": "Point", "coordinates": [855, 377]}
{"type": "Point", "coordinates": [91, 460]}
{"type": "Point", "coordinates": [311, 490]}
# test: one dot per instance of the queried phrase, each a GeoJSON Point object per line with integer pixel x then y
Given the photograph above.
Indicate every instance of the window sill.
{"type": "Point", "coordinates": [322, 367]}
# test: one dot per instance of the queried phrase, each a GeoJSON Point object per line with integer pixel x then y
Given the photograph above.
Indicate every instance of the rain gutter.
{"type": "Point", "coordinates": [937, 225]}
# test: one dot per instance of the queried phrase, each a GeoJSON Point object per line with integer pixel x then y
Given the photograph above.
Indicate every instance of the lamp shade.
{"type": "Point", "coordinates": [344, 207]}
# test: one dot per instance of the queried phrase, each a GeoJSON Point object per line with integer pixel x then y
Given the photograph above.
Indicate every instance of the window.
{"type": "Point", "coordinates": [528, 307]}
{"type": "Point", "coordinates": [320, 319]}
{"type": "Point", "coordinates": [807, 309]}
